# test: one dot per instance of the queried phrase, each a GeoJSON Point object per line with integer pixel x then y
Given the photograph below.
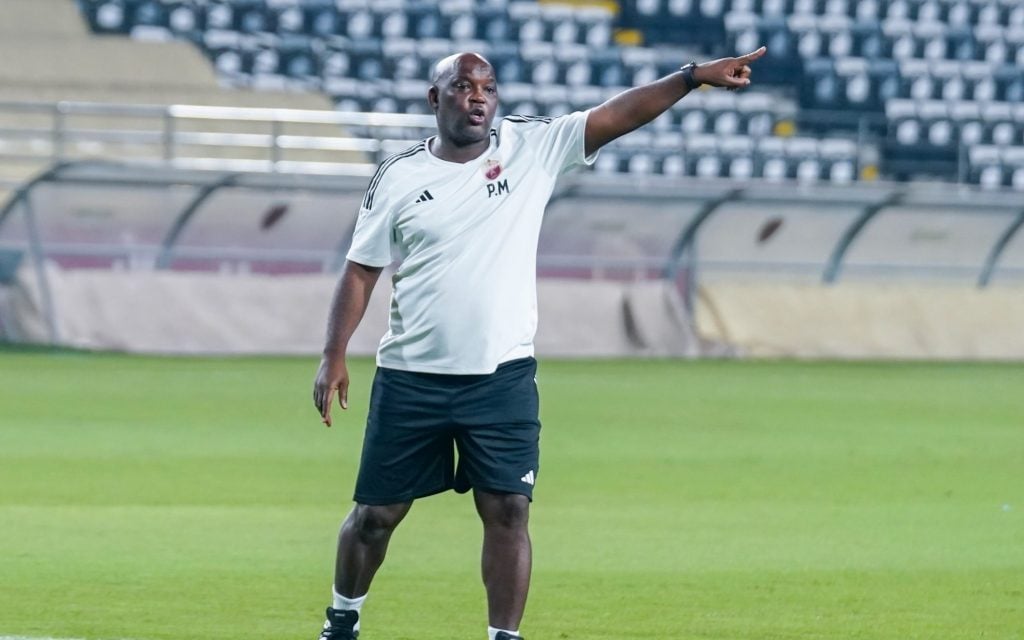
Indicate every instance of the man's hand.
{"type": "Point", "coordinates": [731, 73]}
{"type": "Point", "coordinates": [332, 376]}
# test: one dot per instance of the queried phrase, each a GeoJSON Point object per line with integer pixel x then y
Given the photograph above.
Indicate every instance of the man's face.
{"type": "Point", "coordinates": [465, 98]}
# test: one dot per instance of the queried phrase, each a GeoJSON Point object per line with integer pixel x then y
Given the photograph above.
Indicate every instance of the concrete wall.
{"type": "Point", "coordinates": [864, 320]}
{"type": "Point", "coordinates": [176, 312]}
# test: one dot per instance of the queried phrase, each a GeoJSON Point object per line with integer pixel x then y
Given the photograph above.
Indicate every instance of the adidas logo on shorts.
{"type": "Point", "coordinates": [528, 478]}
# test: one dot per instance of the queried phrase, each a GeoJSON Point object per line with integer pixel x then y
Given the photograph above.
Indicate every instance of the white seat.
{"type": "Point", "coordinates": [565, 33]}
{"type": "Point", "coordinates": [727, 123]}
{"type": "Point", "coordinates": [929, 12]}
{"type": "Point", "coordinates": [954, 89]}
{"type": "Point", "coordinates": [674, 140]}
{"type": "Point", "coordinates": [774, 170]}
{"type": "Point", "coordinates": [182, 19]}
{"type": "Point", "coordinates": [867, 10]}
{"type": "Point", "coordinates": [904, 47]}
{"type": "Point", "coordinates": [921, 88]}
{"type": "Point", "coordinates": [702, 144]}
{"type": "Point", "coordinates": [463, 27]}
{"type": "Point", "coordinates": [673, 165]}
{"type": "Point", "coordinates": [842, 172]}
{"type": "Point", "coordinates": [899, 9]}
{"type": "Point", "coordinates": [837, 149]}
{"type": "Point", "coordinates": [804, 6]}
{"type": "Point", "coordinates": [989, 14]}
{"type": "Point", "coordinates": [809, 44]}
{"type": "Point", "coordinates": [935, 48]}
{"type": "Point", "coordinates": [991, 177]}
{"type": "Point", "coordinates": [1003, 134]}
{"type": "Point", "coordinates": [760, 124]}
{"type": "Point", "coordinates": [908, 132]}
{"type": "Point", "coordinates": [712, 8]}
{"type": "Point", "coordinates": [709, 167]}
{"type": "Point", "coordinates": [959, 15]}
{"type": "Point", "coordinates": [858, 89]}
{"type": "Point", "coordinates": [578, 74]}
{"type": "Point", "coordinates": [840, 44]}
{"type": "Point", "coordinates": [984, 90]}
{"type": "Point", "coordinates": [736, 145]}
{"type": "Point", "coordinates": [641, 163]}
{"type": "Point", "coordinates": [837, 8]}
{"type": "Point", "coordinates": [940, 133]}
{"type": "Point", "coordinates": [694, 122]}
{"type": "Point", "coordinates": [808, 170]}
{"type": "Point", "coordinates": [899, 108]}
{"type": "Point", "coordinates": [771, 146]}
{"type": "Point", "coordinates": [773, 7]}
{"type": "Point", "coordinates": [801, 147]}
{"type": "Point", "coordinates": [971, 133]}
{"type": "Point", "coordinates": [741, 168]}
{"type": "Point", "coordinates": [1017, 179]}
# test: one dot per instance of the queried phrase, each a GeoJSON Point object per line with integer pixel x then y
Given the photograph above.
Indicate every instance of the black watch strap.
{"type": "Point", "coordinates": [687, 70]}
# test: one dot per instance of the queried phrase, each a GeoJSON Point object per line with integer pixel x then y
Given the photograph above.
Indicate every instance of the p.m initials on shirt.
{"type": "Point", "coordinates": [497, 188]}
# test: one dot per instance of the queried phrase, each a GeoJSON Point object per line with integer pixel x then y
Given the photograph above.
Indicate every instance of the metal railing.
{"type": "Point", "coordinates": [236, 138]}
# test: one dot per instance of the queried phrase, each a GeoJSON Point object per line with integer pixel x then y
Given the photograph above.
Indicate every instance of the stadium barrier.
{"type": "Point", "coordinates": [211, 313]}
{"type": "Point", "coordinates": [114, 256]}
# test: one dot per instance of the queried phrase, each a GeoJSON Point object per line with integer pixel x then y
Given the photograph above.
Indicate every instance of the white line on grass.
{"type": "Point", "coordinates": [34, 638]}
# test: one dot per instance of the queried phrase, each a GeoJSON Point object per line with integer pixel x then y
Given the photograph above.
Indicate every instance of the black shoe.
{"type": "Point", "coordinates": [339, 625]}
{"type": "Point", "coordinates": [503, 635]}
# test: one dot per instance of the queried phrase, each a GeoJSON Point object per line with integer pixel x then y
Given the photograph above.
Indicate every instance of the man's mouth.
{"type": "Point", "coordinates": [476, 117]}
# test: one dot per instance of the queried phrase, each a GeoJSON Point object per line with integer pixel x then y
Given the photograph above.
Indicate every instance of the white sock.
{"type": "Point", "coordinates": [348, 604]}
{"type": "Point", "coordinates": [492, 632]}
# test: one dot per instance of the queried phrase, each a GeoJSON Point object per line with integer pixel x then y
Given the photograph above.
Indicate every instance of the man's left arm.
{"type": "Point", "coordinates": [636, 107]}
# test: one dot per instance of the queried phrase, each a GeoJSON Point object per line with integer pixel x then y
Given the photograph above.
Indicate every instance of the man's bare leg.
{"type": "Point", "coordinates": [507, 555]}
{"type": "Point", "coordinates": [362, 543]}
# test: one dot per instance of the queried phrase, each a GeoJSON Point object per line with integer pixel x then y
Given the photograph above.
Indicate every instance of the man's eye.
{"type": "Point", "coordinates": [492, 90]}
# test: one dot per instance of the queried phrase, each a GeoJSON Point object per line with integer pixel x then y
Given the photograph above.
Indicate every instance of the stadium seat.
{"type": "Point", "coordinates": [986, 166]}
{"type": "Point", "coordinates": [771, 158]}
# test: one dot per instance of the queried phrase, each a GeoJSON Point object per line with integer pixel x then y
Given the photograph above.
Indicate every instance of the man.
{"type": "Point", "coordinates": [461, 213]}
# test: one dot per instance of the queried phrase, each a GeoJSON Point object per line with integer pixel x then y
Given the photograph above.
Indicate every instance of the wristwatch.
{"type": "Point", "coordinates": [687, 70]}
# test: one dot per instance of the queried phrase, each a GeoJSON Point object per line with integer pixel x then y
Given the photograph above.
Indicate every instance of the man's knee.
{"type": "Point", "coordinates": [373, 522]}
{"type": "Point", "coordinates": [506, 510]}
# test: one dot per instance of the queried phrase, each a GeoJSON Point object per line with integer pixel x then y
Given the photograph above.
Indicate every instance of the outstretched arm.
{"type": "Point", "coordinates": [636, 107]}
{"type": "Point", "coordinates": [351, 297]}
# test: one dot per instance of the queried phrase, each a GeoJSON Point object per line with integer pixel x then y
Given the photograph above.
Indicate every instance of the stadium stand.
{"type": "Point", "coordinates": [550, 58]}
{"type": "Point", "coordinates": [838, 71]}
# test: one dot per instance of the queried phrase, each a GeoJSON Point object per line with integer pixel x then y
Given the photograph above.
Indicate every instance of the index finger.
{"type": "Point", "coordinates": [325, 410]}
{"type": "Point", "coordinates": [753, 55]}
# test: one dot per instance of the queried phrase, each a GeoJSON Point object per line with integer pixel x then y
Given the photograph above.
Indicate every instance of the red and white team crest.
{"type": "Point", "coordinates": [492, 169]}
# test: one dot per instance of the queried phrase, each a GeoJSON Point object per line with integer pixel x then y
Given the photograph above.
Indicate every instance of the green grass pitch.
{"type": "Point", "coordinates": [177, 498]}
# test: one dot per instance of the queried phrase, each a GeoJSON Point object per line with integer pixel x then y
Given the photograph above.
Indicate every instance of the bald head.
{"type": "Point", "coordinates": [458, 64]}
{"type": "Point", "coordinates": [464, 97]}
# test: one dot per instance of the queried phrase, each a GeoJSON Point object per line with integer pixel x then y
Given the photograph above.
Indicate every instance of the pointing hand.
{"type": "Point", "coordinates": [732, 73]}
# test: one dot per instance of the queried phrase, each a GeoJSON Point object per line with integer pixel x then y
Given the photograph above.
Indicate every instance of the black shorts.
{"type": "Point", "coordinates": [417, 421]}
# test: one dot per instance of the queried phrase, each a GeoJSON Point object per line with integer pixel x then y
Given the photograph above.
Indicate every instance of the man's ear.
{"type": "Point", "coordinates": [432, 98]}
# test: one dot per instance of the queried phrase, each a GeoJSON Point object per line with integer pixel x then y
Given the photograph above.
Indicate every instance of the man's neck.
{"type": "Point", "coordinates": [446, 150]}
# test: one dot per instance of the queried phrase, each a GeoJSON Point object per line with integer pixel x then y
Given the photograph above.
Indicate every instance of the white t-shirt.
{"type": "Point", "coordinates": [464, 296]}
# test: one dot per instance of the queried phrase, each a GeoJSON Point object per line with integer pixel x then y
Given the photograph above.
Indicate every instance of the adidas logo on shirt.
{"type": "Point", "coordinates": [528, 478]}
{"type": "Point", "coordinates": [424, 196]}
